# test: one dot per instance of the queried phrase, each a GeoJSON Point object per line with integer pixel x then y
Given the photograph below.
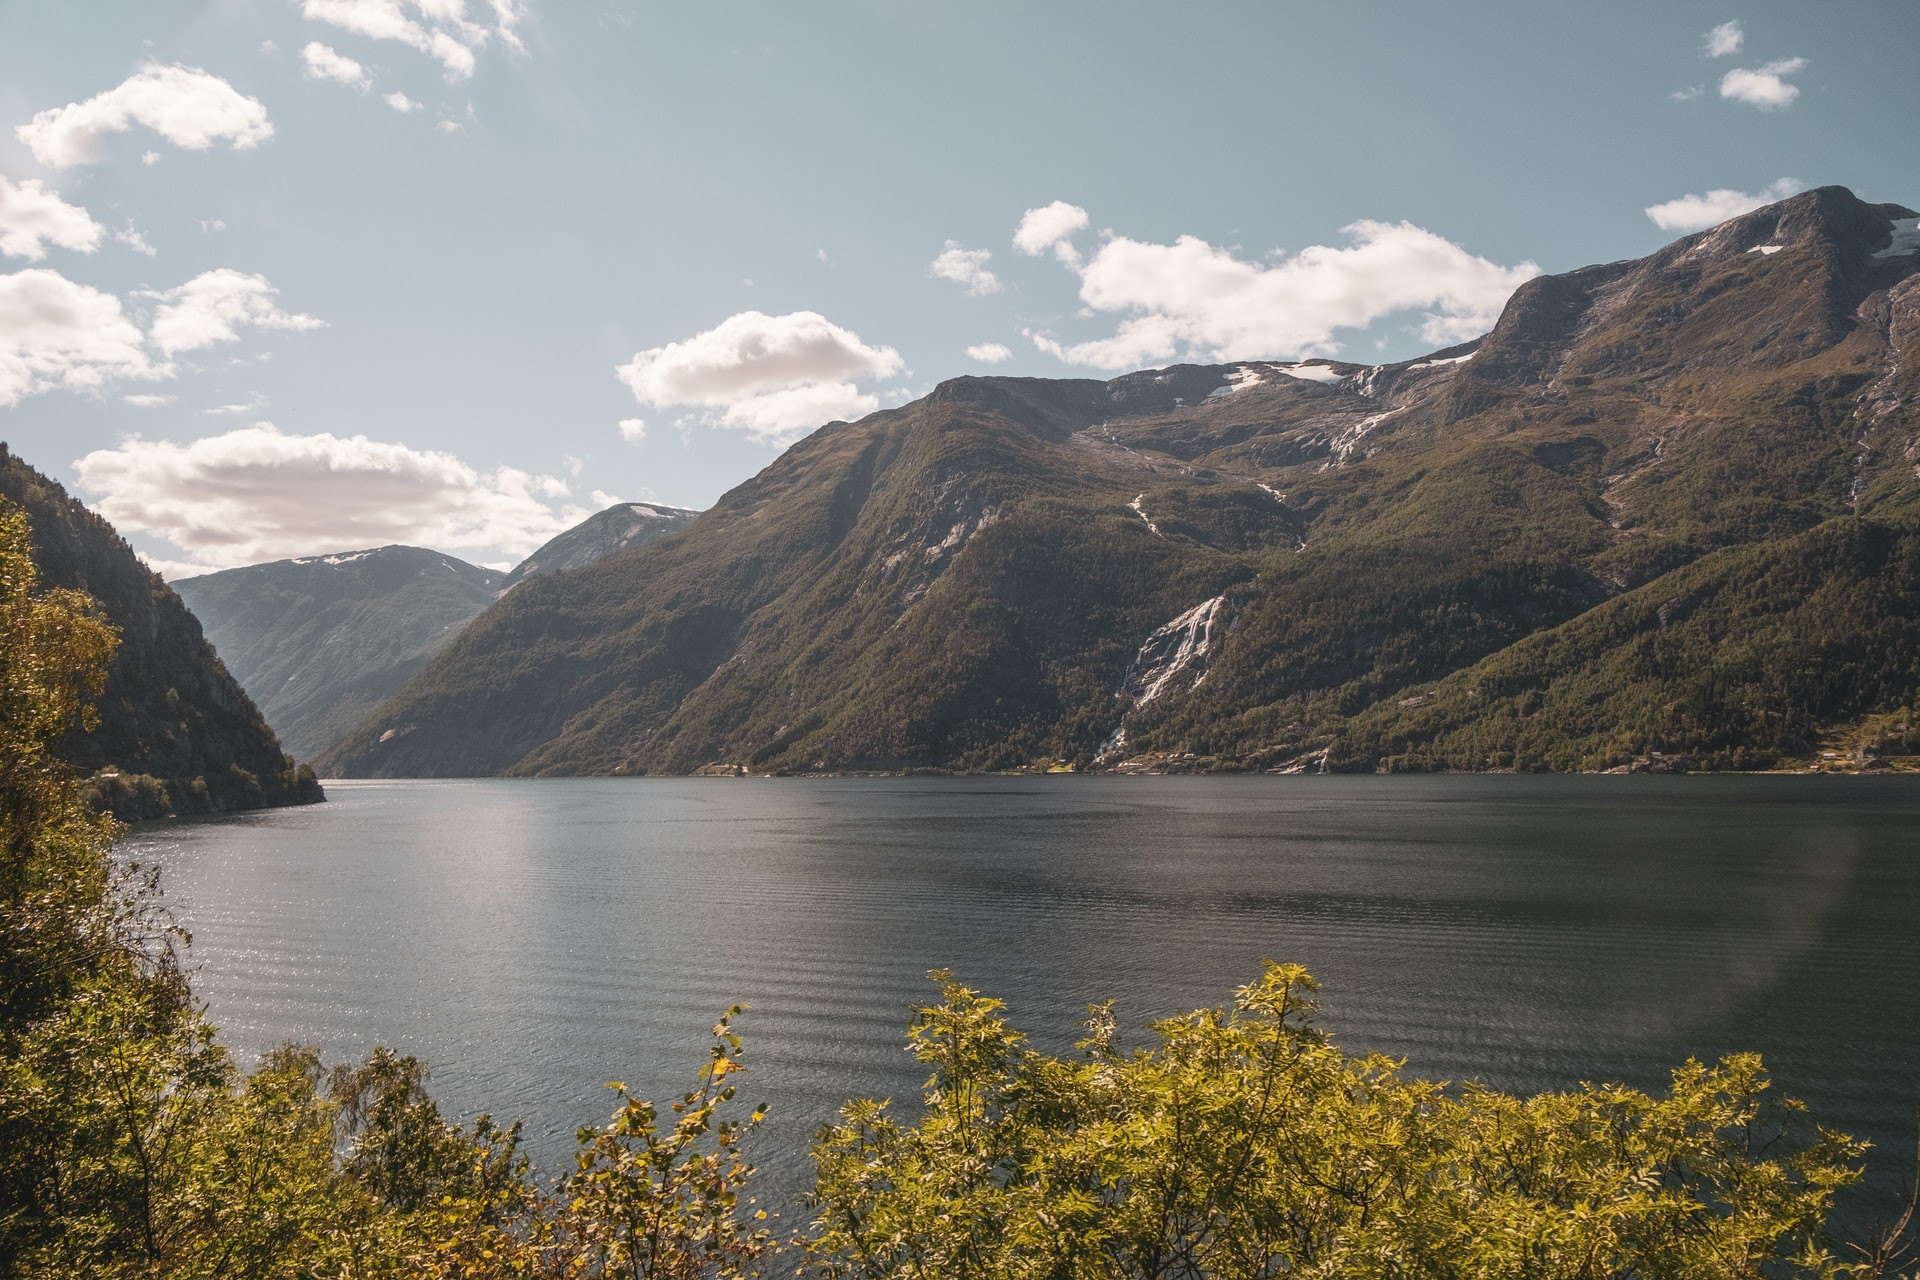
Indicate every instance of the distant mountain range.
{"type": "Point", "coordinates": [320, 641]}
{"type": "Point", "coordinates": [176, 734]}
{"type": "Point", "coordinates": [1665, 515]}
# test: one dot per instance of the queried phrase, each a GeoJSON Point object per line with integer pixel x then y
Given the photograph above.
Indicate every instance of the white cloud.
{"type": "Point", "coordinates": [1049, 227]}
{"type": "Point", "coordinates": [773, 376]}
{"type": "Point", "coordinates": [1687, 94]}
{"type": "Point", "coordinates": [147, 401]}
{"type": "Point", "coordinates": [633, 430]}
{"type": "Point", "coordinates": [1725, 39]}
{"type": "Point", "coordinates": [253, 404]}
{"type": "Point", "coordinates": [206, 309]}
{"type": "Point", "coordinates": [401, 102]}
{"type": "Point", "coordinates": [55, 333]}
{"type": "Point", "coordinates": [323, 63]}
{"type": "Point", "coordinates": [966, 268]}
{"type": "Point", "coordinates": [1191, 296]}
{"type": "Point", "coordinates": [1691, 213]}
{"type": "Point", "coordinates": [991, 352]}
{"type": "Point", "coordinates": [210, 225]}
{"type": "Point", "coordinates": [257, 494]}
{"type": "Point", "coordinates": [438, 28]}
{"type": "Point", "coordinates": [448, 126]}
{"type": "Point", "coordinates": [32, 217]}
{"type": "Point", "coordinates": [149, 158]}
{"type": "Point", "coordinates": [134, 241]}
{"type": "Point", "coordinates": [186, 106]}
{"type": "Point", "coordinates": [1763, 87]}
{"type": "Point", "coordinates": [508, 14]}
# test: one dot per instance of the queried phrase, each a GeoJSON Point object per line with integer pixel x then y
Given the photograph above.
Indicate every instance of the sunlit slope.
{"type": "Point", "coordinates": [1707, 455]}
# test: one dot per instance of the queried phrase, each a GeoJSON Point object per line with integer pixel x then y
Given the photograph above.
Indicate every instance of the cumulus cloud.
{"type": "Point", "coordinates": [323, 63]}
{"type": "Point", "coordinates": [208, 308]}
{"type": "Point", "coordinates": [257, 494]}
{"type": "Point", "coordinates": [442, 29]}
{"type": "Point", "coordinates": [1687, 94]}
{"type": "Point", "coordinates": [966, 268]}
{"type": "Point", "coordinates": [55, 333]}
{"type": "Point", "coordinates": [990, 352]}
{"type": "Point", "coordinates": [1725, 39]}
{"type": "Point", "coordinates": [186, 106]}
{"type": "Point", "coordinates": [1763, 87]}
{"type": "Point", "coordinates": [401, 102]}
{"type": "Point", "coordinates": [1192, 297]}
{"type": "Point", "coordinates": [147, 401]}
{"type": "Point", "coordinates": [32, 217]}
{"type": "Point", "coordinates": [773, 376]}
{"type": "Point", "coordinates": [633, 430]}
{"type": "Point", "coordinates": [1691, 213]}
{"type": "Point", "coordinates": [1051, 227]}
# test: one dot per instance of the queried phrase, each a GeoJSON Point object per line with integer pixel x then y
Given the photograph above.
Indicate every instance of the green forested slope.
{"type": "Point", "coordinates": [1449, 562]}
{"type": "Point", "coordinates": [175, 733]}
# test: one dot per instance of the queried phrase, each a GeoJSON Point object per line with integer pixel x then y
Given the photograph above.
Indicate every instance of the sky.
{"type": "Point", "coordinates": [291, 277]}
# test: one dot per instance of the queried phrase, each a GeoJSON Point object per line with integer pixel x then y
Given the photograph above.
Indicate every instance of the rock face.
{"type": "Point", "coordinates": [320, 641]}
{"type": "Point", "coordinates": [176, 733]}
{"type": "Point", "coordinates": [1666, 509]}
{"type": "Point", "coordinates": [619, 527]}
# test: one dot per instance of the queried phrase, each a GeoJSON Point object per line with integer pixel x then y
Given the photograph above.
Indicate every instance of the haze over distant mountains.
{"type": "Point", "coordinates": [1664, 515]}
{"type": "Point", "coordinates": [320, 641]}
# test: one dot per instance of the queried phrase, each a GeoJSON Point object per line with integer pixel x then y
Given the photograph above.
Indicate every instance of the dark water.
{"type": "Point", "coordinates": [536, 939]}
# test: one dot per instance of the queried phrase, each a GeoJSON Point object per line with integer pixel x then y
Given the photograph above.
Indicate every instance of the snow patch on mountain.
{"type": "Point", "coordinates": [345, 557]}
{"type": "Point", "coordinates": [1435, 364]}
{"type": "Point", "coordinates": [1906, 239]}
{"type": "Point", "coordinates": [1237, 380]}
{"type": "Point", "coordinates": [1311, 372]}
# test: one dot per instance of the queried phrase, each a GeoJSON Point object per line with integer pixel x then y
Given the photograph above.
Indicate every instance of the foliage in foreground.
{"type": "Point", "coordinates": [1245, 1144]}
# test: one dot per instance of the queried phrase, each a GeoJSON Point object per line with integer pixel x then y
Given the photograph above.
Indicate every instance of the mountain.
{"type": "Point", "coordinates": [623, 525]}
{"type": "Point", "coordinates": [176, 733]}
{"type": "Point", "coordinates": [1663, 516]}
{"type": "Point", "coordinates": [319, 642]}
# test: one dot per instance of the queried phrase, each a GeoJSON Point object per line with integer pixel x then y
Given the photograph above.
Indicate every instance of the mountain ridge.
{"type": "Point", "coordinates": [981, 579]}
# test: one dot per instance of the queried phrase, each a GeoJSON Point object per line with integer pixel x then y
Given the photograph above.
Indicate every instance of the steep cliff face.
{"type": "Point", "coordinates": [1666, 509]}
{"type": "Point", "coordinates": [176, 734]}
{"type": "Point", "coordinates": [320, 641]}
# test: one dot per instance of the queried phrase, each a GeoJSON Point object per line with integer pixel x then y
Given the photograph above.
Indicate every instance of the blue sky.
{"type": "Point", "coordinates": [250, 307]}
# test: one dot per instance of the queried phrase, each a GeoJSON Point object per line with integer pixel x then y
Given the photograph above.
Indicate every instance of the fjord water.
{"type": "Point", "coordinates": [536, 939]}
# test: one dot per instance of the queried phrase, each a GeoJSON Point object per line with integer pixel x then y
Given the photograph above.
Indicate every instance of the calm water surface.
{"type": "Point", "coordinates": [535, 939]}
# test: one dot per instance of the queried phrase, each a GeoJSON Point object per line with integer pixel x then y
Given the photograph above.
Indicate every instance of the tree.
{"type": "Point", "coordinates": [1247, 1144]}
